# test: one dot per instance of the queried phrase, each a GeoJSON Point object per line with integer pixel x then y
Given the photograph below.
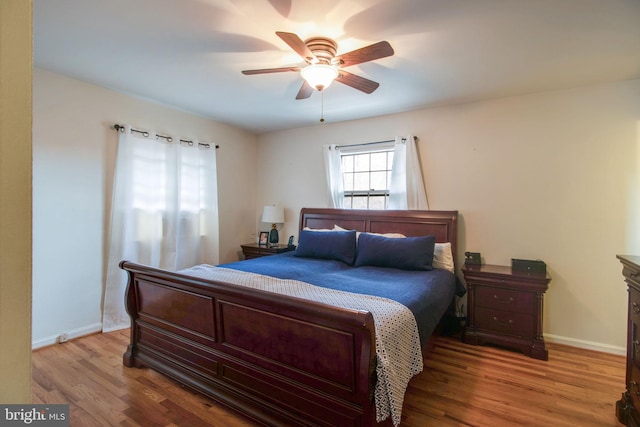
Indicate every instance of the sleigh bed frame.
{"type": "Point", "coordinates": [246, 348]}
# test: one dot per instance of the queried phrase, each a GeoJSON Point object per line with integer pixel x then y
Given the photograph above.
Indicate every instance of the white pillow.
{"type": "Point", "coordinates": [319, 229]}
{"type": "Point", "coordinates": [442, 257]}
{"type": "Point", "coordinates": [390, 235]}
{"type": "Point", "coordinates": [336, 227]}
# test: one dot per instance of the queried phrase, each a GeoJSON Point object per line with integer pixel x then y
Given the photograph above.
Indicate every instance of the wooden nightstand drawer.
{"type": "Point", "coordinates": [634, 328]}
{"type": "Point", "coordinates": [634, 386]}
{"type": "Point", "coordinates": [504, 322]}
{"type": "Point", "coordinates": [253, 250]}
{"type": "Point", "coordinates": [633, 349]}
{"type": "Point", "coordinates": [634, 305]}
{"type": "Point", "coordinates": [504, 299]}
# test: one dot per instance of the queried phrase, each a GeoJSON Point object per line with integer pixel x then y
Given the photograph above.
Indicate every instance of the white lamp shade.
{"type": "Point", "coordinates": [319, 76]}
{"type": "Point", "coordinates": [273, 214]}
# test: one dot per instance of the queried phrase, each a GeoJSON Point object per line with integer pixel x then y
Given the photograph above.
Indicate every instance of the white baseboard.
{"type": "Point", "coordinates": [588, 345]}
{"type": "Point", "coordinates": [75, 333]}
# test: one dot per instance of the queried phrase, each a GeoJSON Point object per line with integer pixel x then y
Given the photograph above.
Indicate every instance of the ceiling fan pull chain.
{"type": "Point", "coordinates": [321, 106]}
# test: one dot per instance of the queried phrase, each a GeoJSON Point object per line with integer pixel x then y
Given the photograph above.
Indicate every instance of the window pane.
{"type": "Point", "coordinates": [359, 203]}
{"type": "Point", "coordinates": [146, 165]}
{"type": "Point", "coordinates": [361, 181]}
{"type": "Point", "coordinates": [361, 162]}
{"type": "Point", "coordinates": [378, 161]}
{"type": "Point", "coordinates": [347, 163]}
{"type": "Point", "coordinates": [389, 160]}
{"type": "Point", "coordinates": [347, 202]}
{"type": "Point", "coordinates": [376, 202]}
{"type": "Point", "coordinates": [379, 180]}
{"type": "Point", "coordinates": [190, 175]}
{"type": "Point", "coordinates": [348, 181]}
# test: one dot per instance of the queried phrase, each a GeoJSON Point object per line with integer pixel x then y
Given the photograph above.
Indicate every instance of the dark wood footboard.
{"type": "Point", "coordinates": [278, 360]}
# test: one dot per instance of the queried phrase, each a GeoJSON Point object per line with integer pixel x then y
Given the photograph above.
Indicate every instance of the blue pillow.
{"type": "Point", "coordinates": [339, 245]}
{"type": "Point", "coordinates": [410, 253]}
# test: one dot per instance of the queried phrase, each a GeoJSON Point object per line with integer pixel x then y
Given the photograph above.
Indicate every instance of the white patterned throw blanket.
{"type": "Point", "coordinates": [398, 351]}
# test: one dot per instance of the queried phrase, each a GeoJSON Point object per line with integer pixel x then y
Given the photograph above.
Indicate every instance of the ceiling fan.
{"type": "Point", "coordinates": [324, 66]}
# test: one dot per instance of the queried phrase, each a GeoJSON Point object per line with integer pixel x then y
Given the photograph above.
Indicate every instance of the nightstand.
{"type": "Point", "coordinates": [254, 250]}
{"type": "Point", "coordinates": [505, 308]}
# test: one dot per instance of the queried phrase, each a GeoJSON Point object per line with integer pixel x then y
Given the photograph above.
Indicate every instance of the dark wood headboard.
{"type": "Point", "coordinates": [441, 224]}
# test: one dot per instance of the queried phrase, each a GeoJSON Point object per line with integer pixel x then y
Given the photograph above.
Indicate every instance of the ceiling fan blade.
{"type": "Point", "coordinates": [270, 70]}
{"type": "Point", "coordinates": [305, 91]}
{"type": "Point", "coordinates": [365, 54]}
{"type": "Point", "coordinates": [297, 45]}
{"type": "Point", "coordinates": [357, 82]}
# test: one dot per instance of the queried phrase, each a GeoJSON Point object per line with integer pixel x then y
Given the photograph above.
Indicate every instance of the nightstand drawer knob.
{"type": "Point", "coordinates": [633, 388]}
{"type": "Point", "coordinates": [636, 308]}
{"type": "Point", "coordinates": [503, 301]}
{"type": "Point", "coordinates": [510, 322]}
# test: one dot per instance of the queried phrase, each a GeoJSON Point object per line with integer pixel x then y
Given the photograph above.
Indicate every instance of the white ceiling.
{"type": "Point", "coordinates": [189, 53]}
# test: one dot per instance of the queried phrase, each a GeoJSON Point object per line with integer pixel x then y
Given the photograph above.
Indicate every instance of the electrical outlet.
{"type": "Point", "coordinates": [63, 337]}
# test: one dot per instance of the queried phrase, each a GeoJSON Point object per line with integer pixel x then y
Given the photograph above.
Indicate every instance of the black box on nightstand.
{"type": "Point", "coordinates": [528, 266]}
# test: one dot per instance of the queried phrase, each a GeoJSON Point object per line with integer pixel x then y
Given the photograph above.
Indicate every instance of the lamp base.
{"type": "Point", "coordinates": [273, 237]}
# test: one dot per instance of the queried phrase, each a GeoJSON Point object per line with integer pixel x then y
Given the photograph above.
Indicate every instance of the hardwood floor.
{"type": "Point", "coordinates": [461, 385]}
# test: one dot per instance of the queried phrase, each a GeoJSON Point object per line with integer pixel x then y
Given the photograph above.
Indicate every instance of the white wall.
{"type": "Point", "coordinates": [74, 150]}
{"type": "Point", "coordinates": [552, 176]}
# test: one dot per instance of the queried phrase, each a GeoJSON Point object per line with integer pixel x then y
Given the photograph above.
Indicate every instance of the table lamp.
{"type": "Point", "coordinates": [274, 215]}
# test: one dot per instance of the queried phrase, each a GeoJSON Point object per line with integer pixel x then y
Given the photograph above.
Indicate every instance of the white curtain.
{"type": "Point", "coordinates": [333, 171]}
{"type": "Point", "coordinates": [406, 189]}
{"type": "Point", "coordinates": [164, 211]}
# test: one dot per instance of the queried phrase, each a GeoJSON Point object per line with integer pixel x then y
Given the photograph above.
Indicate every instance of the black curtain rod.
{"type": "Point", "coordinates": [119, 127]}
{"type": "Point", "coordinates": [415, 138]}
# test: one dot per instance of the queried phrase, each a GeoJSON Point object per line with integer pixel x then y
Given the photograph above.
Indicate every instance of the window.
{"type": "Point", "coordinates": [366, 177]}
{"type": "Point", "coordinates": [360, 178]}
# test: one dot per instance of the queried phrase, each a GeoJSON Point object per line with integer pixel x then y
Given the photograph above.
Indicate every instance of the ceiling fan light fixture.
{"type": "Point", "coordinates": [319, 76]}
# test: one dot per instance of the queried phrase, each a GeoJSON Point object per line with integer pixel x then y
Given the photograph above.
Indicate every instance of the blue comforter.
{"type": "Point", "coordinates": [427, 294]}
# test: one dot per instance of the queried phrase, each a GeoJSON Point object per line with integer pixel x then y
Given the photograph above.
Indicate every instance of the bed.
{"type": "Point", "coordinates": [281, 358]}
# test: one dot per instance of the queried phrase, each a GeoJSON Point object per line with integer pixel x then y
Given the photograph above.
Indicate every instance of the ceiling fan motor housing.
{"type": "Point", "coordinates": [323, 48]}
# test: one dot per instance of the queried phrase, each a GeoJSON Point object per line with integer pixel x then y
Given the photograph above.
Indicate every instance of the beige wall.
{"type": "Point", "coordinates": [554, 176]}
{"type": "Point", "coordinates": [15, 201]}
{"type": "Point", "coordinates": [74, 149]}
